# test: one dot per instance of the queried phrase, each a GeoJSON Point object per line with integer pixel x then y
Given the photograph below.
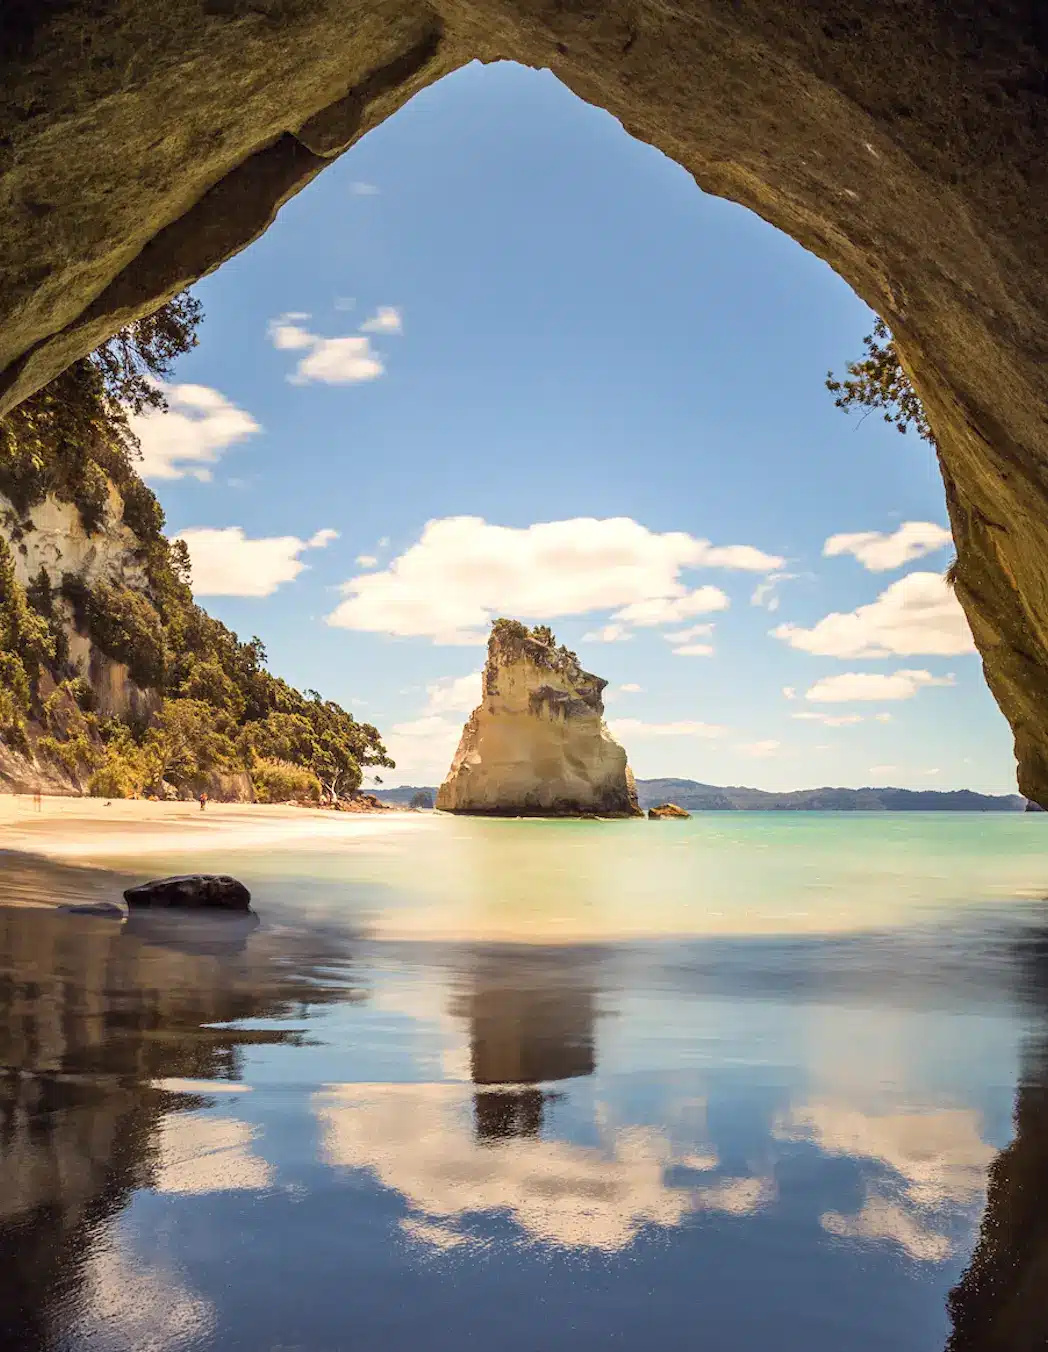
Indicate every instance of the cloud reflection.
{"type": "Point", "coordinates": [936, 1162]}
{"type": "Point", "coordinates": [420, 1140]}
{"type": "Point", "coordinates": [208, 1154]}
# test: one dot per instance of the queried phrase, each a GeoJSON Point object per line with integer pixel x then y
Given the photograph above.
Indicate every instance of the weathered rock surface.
{"type": "Point", "coordinates": [903, 144]}
{"type": "Point", "coordinates": [193, 891]}
{"type": "Point", "coordinates": [537, 745]}
{"type": "Point", "coordinates": [664, 811]}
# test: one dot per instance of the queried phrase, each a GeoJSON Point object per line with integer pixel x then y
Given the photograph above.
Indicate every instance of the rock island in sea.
{"type": "Point", "coordinates": [537, 744]}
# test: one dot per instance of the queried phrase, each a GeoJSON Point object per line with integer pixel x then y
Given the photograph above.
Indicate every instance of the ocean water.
{"type": "Point", "coordinates": [743, 1082]}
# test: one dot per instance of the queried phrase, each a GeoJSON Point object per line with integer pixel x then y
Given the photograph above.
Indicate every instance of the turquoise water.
{"type": "Point", "coordinates": [737, 1082]}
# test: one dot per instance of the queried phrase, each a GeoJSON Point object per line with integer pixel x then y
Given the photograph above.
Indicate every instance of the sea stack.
{"type": "Point", "coordinates": [537, 745]}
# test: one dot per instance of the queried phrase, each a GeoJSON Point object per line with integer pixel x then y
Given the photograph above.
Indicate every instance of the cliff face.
{"type": "Point", "coordinates": [536, 745]}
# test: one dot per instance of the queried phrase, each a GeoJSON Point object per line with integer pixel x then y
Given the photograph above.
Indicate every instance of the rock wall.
{"type": "Point", "coordinates": [903, 143]}
{"type": "Point", "coordinates": [51, 537]}
{"type": "Point", "coordinates": [537, 745]}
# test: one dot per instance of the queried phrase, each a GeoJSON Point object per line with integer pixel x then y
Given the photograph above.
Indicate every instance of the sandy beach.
{"type": "Point", "coordinates": [87, 828]}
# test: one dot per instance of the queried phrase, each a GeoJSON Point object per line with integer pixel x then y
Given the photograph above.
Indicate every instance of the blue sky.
{"type": "Point", "coordinates": [544, 321]}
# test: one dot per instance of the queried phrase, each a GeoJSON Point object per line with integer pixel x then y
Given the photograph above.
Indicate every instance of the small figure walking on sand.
{"type": "Point", "coordinates": [203, 801]}
{"type": "Point", "coordinates": [38, 801]}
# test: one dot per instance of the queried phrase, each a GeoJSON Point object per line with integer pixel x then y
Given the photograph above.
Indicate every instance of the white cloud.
{"type": "Point", "coordinates": [359, 189]}
{"type": "Point", "coordinates": [367, 561]}
{"type": "Point", "coordinates": [694, 650]}
{"type": "Point", "coordinates": [332, 361]}
{"type": "Point", "coordinates": [610, 633]}
{"type": "Point", "coordinates": [917, 614]}
{"type": "Point", "coordinates": [321, 538]}
{"type": "Point", "coordinates": [765, 593]}
{"type": "Point", "coordinates": [199, 425]}
{"type": "Point", "coordinates": [758, 750]}
{"type": "Point", "coordinates": [673, 609]}
{"type": "Point", "coordinates": [829, 720]}
{"type": "Point", "coordinates": [455, 694]}
{"type": "Point", "coordinates": [881, 770]}
{"type": "Point", "coordinates": [789, 692]}
{"type": "Point", "coordinates": [936, 771]}
{"type": "Point", "coordinates": [227, 563]}
{"type": "Point", "coordinates": [851, 686]}
{"type": "Point", "coordinates": [883, 718]}
{"type": "Point", "coordinates": [631, 689]}
{"type": "Point", "coordinates": [622, 728]}
{"type": "Point", "coordinates": [423, 747]}
{"type": "Point", "coordinates": [687, 635]}
{"type": "Point", "coordinates": [878, 553]}
{"type": "Point", "coordinates": [386, 319]}
{"type": "Point", "coordinates": [463, 571]}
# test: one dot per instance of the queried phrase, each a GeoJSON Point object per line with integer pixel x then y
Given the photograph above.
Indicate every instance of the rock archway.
{"type": "Point", "coordinates": [906, 143]}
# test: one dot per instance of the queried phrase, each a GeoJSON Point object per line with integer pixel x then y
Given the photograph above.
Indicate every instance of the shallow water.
{"type": "Point", "coordinates": [734, 1083]}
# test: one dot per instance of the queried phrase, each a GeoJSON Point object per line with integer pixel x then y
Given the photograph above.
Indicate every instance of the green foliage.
{"type": "Point", "coordinates": [189, 737]}
{"type": "Point", "coordinates": [421, 800]}
{"type": "Point", "coordinates": [878, 381]}
{"type": "Point", "coordinates": [25, 645]}
{"type": "Point", "coordinates": [126, 627]}
{"type": "Point", "coordinates": [544, 634]}
{"type": "Point", "coordinates": [277, 781]}
{"type": "Point", "coordinates": [208, 682]}
{"type": "Point", "coordinates": [75, 433]}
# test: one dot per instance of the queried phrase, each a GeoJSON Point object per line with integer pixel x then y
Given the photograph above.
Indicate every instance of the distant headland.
{"type": "Point", "coordinates": [697, 797]}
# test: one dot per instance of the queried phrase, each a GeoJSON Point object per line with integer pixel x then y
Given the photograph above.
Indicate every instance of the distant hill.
{"type": "Point", "coordinates": [696, 797]}
{"type": "Point", "coordinates": [711, 798]}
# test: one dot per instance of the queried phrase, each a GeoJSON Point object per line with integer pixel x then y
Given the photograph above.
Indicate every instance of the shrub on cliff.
{"type": "Point", "coordinates": [878, 381]}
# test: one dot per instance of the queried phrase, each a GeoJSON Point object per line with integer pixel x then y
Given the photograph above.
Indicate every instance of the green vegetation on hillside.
{"type": "Point", "coordinates": [218, 710]}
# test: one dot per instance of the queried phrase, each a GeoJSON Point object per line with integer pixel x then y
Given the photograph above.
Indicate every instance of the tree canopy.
{"type": "Point", "coordinates": [877, 381]}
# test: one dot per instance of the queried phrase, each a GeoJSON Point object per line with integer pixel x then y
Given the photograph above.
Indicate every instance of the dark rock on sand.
{"type": "Point", "coordinates": [666, 810]}
{"type": "Point", "coordinates": [192, 890]}
{"type": "Point", "coordinates": [108, 909]}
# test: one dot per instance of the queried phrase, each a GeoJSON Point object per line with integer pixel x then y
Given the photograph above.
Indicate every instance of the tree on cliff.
{"type": "Point", "coordinates": [878, 381]}
{"type": "Point", "coordinates": [73, 434]}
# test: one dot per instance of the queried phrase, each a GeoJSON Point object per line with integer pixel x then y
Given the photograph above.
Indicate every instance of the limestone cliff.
{"type": "Point", "coordinates": [537, 744]}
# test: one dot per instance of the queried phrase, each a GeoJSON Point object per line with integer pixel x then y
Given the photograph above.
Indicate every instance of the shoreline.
{"type": "Point", "coordinates": [83, 829]}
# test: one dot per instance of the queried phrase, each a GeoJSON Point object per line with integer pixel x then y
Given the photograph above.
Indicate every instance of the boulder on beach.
{"type": "Point", "coordinates": [665, 811]}
{"type": "Point", "coordinates": [195, 891]}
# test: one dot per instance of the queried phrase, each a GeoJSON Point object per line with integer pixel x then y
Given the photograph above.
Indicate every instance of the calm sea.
{"type": "Point", "coordinates": [724, 1085]}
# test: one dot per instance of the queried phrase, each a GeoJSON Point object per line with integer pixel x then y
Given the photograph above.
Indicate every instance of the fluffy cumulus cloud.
{"type": "Point", "coordinates": [918, 614]}
{"type": "Point", "coordinates": [856, 686]}
{"type": "Point", "coordinates": [608, 633]}
{"type": "Point", "coordinates": [623, 728]}
{"type": "Point", "coordinates": [227, 563]}
{"type": "Point", "coordinates": [189, 438]}
{"type": "Point", "coordinates": [386, 319]}
{"type": "Point", "coordinates": [330, 361]}
{"type": "Point", "coordinates": [454, 694]}
{"type": "Point", "coordinates": [879, 553]}
{"type": "Point", "coordinates": [463, 571]}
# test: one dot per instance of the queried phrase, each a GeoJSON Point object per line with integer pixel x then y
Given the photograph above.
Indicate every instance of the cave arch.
{"type": "Point", "coordinates": [905, 144]}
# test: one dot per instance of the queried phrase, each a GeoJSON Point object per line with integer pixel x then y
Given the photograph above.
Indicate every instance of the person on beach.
{"type": "Point", "coordinates": [203, 801]}
{"type": "Point", "coordinates": [38, 801]}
